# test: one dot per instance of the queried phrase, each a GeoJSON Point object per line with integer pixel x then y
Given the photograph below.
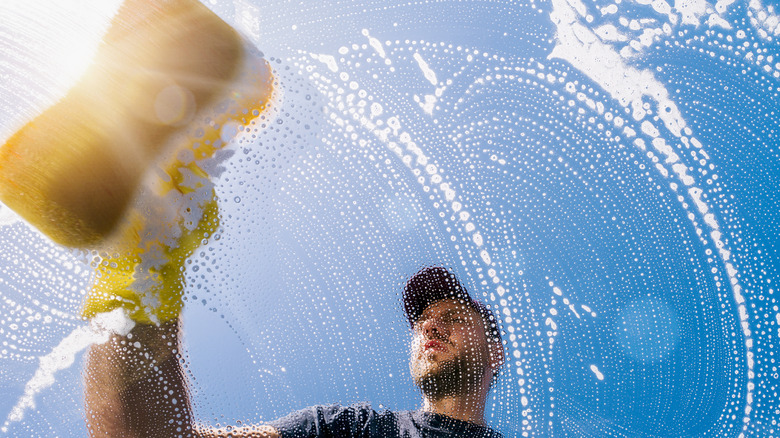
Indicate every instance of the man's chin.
{"type": "Point", "coordinates": [428, 371]}
{"type": "Point", "coordinates": [430, 365]}
{"type": "Point", "coordinates": [439, 379]}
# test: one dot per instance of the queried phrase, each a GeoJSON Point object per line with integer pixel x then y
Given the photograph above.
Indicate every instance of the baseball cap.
{"type": "Point", "coordinates": [435, 283]}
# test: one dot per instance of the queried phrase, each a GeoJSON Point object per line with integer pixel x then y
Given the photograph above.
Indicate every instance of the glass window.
{"type": "Point", "coordinates": [229, 216]}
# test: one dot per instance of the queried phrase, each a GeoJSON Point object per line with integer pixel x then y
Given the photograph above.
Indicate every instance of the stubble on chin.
{"type": "Point", "coordinates": [443, 379]}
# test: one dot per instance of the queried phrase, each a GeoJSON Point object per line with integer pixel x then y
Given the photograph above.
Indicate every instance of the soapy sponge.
{"type": "Point", "coordinates": [72, 171]}
{"type": "Point", "coordinates": [119, 163]}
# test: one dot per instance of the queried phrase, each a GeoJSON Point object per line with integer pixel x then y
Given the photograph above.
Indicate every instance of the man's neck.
{"type": "Point", "coordinates": [467, 407]}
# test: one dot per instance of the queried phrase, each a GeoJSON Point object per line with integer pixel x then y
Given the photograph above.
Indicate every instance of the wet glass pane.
{"type": "Point", "coordinates": [577, 196]}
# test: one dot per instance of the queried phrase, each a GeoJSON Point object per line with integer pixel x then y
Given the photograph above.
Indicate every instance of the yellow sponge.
{"type": "Point", "coordinates": [170, 79]}
{"type": "Point", "coordinates": [73, 170]}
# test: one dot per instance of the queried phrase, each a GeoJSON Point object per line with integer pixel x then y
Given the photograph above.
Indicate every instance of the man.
{"type": "Point", "coordinates": [135, 386]}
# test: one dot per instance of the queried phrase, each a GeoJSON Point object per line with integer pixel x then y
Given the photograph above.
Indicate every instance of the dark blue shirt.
{"type": "Point", "coordinates": [359, 420]}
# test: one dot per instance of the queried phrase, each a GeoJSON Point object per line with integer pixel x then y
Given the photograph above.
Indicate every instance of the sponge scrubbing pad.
{"type": "Point", "coordinates": [72, 171]}
{"type": "Point", "coordinates": [170, 78]}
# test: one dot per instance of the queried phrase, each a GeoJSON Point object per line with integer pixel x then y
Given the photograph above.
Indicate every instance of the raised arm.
{"type": "Point", "coordinates": [135, 385]}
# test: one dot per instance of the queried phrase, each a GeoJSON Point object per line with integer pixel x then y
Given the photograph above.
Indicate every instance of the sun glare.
{"type": "Point", "coordinates": [53, 44]}
{"type": "Point", "coordinates": [75, 33]}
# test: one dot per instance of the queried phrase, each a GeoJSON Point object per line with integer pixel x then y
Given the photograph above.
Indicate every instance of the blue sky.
{"type": "Point", "coordinates": [632, 261]}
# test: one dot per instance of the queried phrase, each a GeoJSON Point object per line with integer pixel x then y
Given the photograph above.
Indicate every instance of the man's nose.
{"type": "Point", "coordinates": [433, 325]}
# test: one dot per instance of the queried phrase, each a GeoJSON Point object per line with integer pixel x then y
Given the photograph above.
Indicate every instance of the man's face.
{"type": "Point", "coordinates": [449, 349]}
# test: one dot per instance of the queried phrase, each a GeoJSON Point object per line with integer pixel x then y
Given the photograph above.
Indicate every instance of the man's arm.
{"type": "Point", "coordinates": [136, 387]}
